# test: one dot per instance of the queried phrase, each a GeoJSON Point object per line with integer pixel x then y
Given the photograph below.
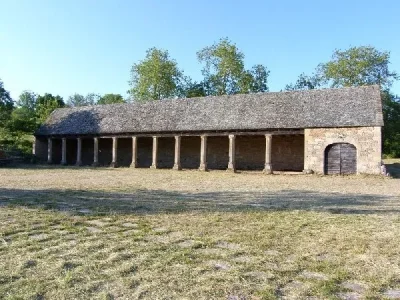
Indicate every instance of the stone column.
{"type": "Point", "coordinates": [268, 144]}
{"type": "Point", "coordinates": [63, 151]}
{"type": "Point", "coordinates": [114, 152]}
{"type": "Point", "coordinates": [49, 150]}
{"type": "Point", "coordinates": [79, 152]}
{"type": "Point", "coordinates": [34, 146]}
{"type": "Point", "coordinates": [203, 153]}
{"type": "Point", "coordinates": [231, 164]}
{"type": "Point", "coordinates": [95, 152]}
{"type": "Point", "coordinates": [154, 156]}
{"type": "Point", "coordinates": [134, 152]}
{"type": "Point", "coordinates": [177, 158]}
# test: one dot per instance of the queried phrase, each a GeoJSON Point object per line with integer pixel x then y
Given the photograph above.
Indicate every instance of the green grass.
{"type": "Point", "coordinates": [158, 234]}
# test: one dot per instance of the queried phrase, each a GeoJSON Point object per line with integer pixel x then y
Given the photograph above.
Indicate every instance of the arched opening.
{"type": "Point", "coordinates": [340, 158]}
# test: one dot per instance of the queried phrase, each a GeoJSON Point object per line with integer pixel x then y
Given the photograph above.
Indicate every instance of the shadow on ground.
{"type": "Point", "coordinates": [393, 169]}
{"type": "Point", "coordinates": [161, 201]}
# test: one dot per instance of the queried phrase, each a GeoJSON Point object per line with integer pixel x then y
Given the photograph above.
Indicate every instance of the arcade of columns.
{"type": "Point", "coordinates": [177, 155]}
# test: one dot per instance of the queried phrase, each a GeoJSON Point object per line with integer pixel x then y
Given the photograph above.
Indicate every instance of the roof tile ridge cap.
{"type": "Point", "coordinates": [76, 108]}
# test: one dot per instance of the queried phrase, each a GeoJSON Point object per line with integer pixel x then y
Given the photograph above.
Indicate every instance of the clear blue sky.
{"type": "Point", "coordinates": [83, 46]}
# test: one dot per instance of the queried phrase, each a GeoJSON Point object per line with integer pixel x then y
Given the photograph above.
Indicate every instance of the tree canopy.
{"type": "Point", "coordinates": [77, 100]}
{"type": "Point", "coordinates": [46, 104]}
{"type": "Point", "coordinates": [6, 105]}
{"type": "Point", "coordinates": [24, 116]}
{"type": "Point", "coordinates": [110, 99]}
{"type": "Point", "coordinates": [305, 82]}
{"type": "Point", "coordinates": [156, 77]}
{"type": "Point", "coordinates": [364, 65]}
{"type": "Point", "coordinates": [224, 71]}
{"type": "Point", "coordinates": [391, 119]}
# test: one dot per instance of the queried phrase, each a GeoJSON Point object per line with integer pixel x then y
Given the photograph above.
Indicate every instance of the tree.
{"type": "Point", "coordinates": [305, 82]}
{"type": "Point", "coordinates": [156, 77]}
{"type": "Point", "coordinates": [27, 100]}
{"type": "Point", "coordinates": [391, 119]}
{"type": "Point", "coordinates": [46, 104]}
{"type": "Point", "coordinates": [223, 67]}
{"type": "Point", "coordinates": [92, 99]}
{"type": "Point", "coordinates": [224, 71]}
{"type": "Point", "coordinates": [6, 105]}
{"type": "Point", "coordinates": [24, 117]}
{"type": "Point", "coordinates": [195, 89]}
{"type": "Point", "coordinates": [254, 80]}
{"type": "Point", "coordinates": [110, 99]}
{"type": "Point", "coordinates": [77, 100]}
{"type": "Point", "coordinates": [357, 66]}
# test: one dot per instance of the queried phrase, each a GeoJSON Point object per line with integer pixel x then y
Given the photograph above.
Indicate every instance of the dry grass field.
{"type": "Point", "coordinates": [82, 233]}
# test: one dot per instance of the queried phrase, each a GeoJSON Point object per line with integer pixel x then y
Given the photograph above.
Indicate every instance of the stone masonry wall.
{"type": "Point", "coordinates": [87, 151]}
{"type": "Point", "coordinates": [41, 149]}
{"type": "Point", "coordinates": [250, 152]}
{"type": "Point", "coordinates": [367, 140]}
{"type": "Point", "coordinates": [56, 151]}
{"type": "Point", "coordinates": [190, 152]}
{"type": "Point", "coordinates": [217, 152]}
{"type": "Point", "coordinates": [166, 152]}
{"type": "Point", "coordinates": [287, 152]}
{"type": "Point", "coordinates": [124, 152]}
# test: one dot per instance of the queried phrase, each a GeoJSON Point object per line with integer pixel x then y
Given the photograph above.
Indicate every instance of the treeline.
{"type": "Point", "coordinates": [158, 76]}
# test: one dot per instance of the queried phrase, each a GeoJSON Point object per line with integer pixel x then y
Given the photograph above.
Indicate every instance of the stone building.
{"type": "Point", "coordinates": [331, 131]}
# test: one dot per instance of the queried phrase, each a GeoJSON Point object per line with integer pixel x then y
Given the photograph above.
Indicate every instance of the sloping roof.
{"type": "Point", "coordinates": [345, 107]}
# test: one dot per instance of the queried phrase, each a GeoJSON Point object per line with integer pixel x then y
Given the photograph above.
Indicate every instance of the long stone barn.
{"type": "Point", "coordinates": [329, 131]}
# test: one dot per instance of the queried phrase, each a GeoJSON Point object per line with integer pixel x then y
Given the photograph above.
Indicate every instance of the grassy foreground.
{"type": "Point", "coordinates": [69, 233]}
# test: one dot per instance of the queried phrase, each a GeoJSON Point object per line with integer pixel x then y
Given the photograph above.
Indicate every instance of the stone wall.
{"type": "Point", "coordinates": [56, 159]}
{"type": "Point", "coordinates": [217, 152]}
{"type": "Point", "coordinates": [124, 152]}
{"type": "Point", "coordinates": [367, 140]}
{"type": "Point", "coordinates": [250, 152]}
{"type": "Point", "coordinates": [190, 152]}
{"type": "Point", "coordinates": [105, 152]}
{"type": "Point", "coordinates": [166, 152]}
{"type": "Point", "coordinates": [71, 151]}
{"type": "Point", "coordinates": [87, 151]}
{"type": "Point", "coordinates": [41, 149]}
{"type": "Point", "coordinates": [287, 152]}
{"type": "Point", "coordinates": [144, 152]}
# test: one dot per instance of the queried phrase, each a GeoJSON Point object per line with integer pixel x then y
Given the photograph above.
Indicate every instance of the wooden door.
{"type": "Point", "coordinates": [340, 158]}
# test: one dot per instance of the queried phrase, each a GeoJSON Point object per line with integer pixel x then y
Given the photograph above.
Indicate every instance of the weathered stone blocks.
{"type": "Point", "coordinates": [367, 140]}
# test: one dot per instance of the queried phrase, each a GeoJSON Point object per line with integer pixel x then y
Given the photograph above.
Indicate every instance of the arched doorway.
{"type": "Point", "coordinates": [340, 158]}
